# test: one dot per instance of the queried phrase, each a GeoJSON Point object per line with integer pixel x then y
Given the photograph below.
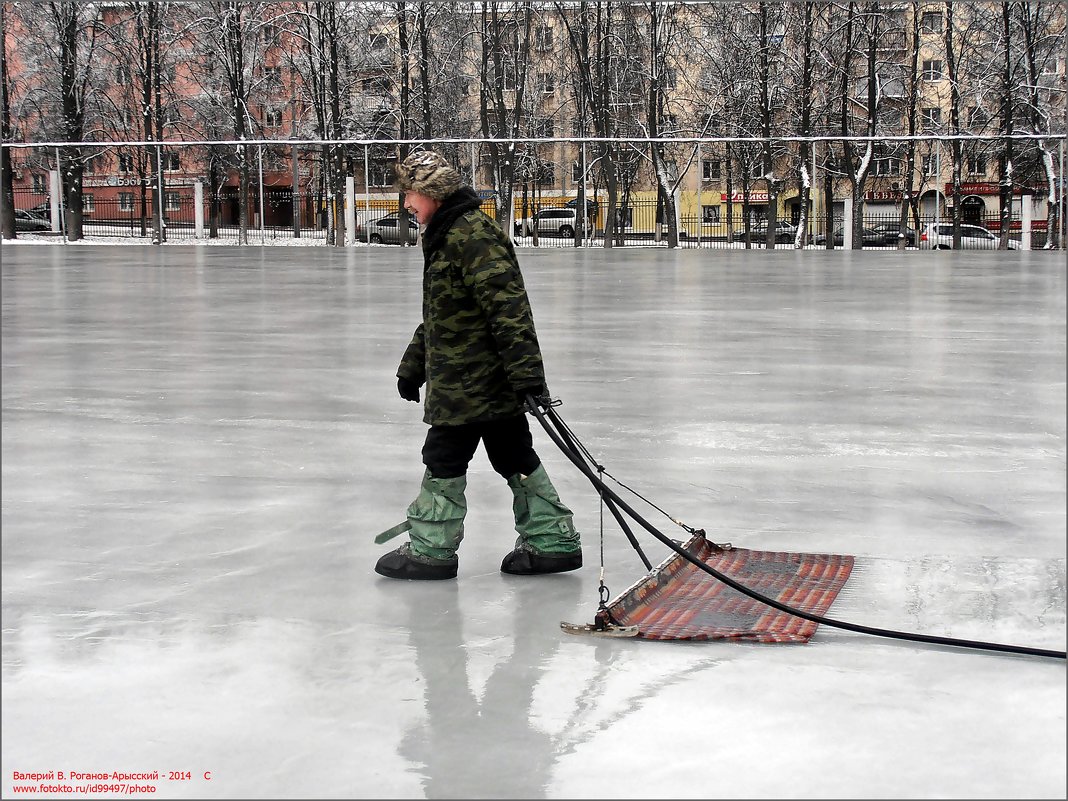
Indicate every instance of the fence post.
{"type": "Point", "coordinates": [1025, 221]}
{"type": "Point", "coordinates": [53, 198]}
{"type": "Point", "coordinates": [367, 190]}
{"type": "Point", "coordinates": [847, 224]}
{"type": "Point", "coordinates": [160, 233]}
{"type": "Point", "coordinates": [198, 209]}
{"type": "Point", "coordinates": [263, 222]}
{"type": "Point", "coordinates": [350, 210]}
{"type": "Point", "coordinates": [295, 202]}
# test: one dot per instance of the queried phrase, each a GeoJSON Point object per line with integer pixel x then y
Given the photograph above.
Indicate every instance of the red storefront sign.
{"type": "Point", "coordinates": [991, 188]}
{"type": "Point", "coordinates": [737, 197]}
{"type": "Point", "coordinates": [883, 194]}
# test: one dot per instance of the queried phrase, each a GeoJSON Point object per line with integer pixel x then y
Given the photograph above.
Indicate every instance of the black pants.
{"type": "Point", "coordinates": [448, 449]}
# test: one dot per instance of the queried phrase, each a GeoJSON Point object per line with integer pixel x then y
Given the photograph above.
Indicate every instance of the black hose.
{"type": "Point", "coordinates": [609, 493]}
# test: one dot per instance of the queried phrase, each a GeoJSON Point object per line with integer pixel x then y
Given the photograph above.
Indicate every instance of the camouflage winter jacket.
{"type": "Point", "coordinates": [476, 347]}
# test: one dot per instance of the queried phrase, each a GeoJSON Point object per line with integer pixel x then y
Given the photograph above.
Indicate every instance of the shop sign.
{"type": "Point", "coordinates": [737, 197]}
{"type": "Point", "coordinates": [114, 180]}
{"type": "Point", "coordinates": [882, 194]}
{"type": "Point", "coordinates": [991, 188]}
{"type": "Point", "coordinates": [129, 180]}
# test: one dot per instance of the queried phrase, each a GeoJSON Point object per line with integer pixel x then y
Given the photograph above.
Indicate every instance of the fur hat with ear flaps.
{"type": "Point", "coordinates": [427, 173]}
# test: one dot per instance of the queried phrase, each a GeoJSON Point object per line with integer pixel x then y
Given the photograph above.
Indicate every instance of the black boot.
{"type": "Point", "coordinates": [524, 562]}
{"type": "Point", "coordinates": [403, 564]}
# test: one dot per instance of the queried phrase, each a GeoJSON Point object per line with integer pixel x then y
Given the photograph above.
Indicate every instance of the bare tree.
{"type": "Point", "coordinates": [595, 48]}
{"type": "Point", "coordinates": [805, 103]}
{"type": "Point", "coordinates": [505, 56]}
{"type": "Point", "coordinates": [1042, 45]}
{"type": "Point", "coordinates": [229, 35]}
{"type": "Point", "coordinates": [141, 45]}
{"type": "Point", "coordinates": [660, 23]}
{"type": "Point", "coordinates": [7, 134]}
{"type": "Point", "coordinates": [60, 47]}
{"type": "Point", "coordinates": [1005, 157]}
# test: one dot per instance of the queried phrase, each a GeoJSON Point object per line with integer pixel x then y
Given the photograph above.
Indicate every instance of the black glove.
{"type": "Point", "coordinates": [408, 390]}
{"type": "Point", "coordinates": [539, 391]}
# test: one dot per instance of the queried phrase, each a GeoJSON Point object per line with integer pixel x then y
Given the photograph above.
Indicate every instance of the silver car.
{"type": "Point", "coordinates": [553, 222]}
{"type": "Point", "coordinates": [939, 236]}
{"type": "Point", "coordinates": [28, 221]}
{"type": "Point", "coordinates": [385, 230]}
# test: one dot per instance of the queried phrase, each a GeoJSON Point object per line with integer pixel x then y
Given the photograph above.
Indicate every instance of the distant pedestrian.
{"type": "Point", "coordinates": [477, 353]}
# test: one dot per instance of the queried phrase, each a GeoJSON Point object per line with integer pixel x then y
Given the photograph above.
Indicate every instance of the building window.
{"type": "Point", "coordinates": [886, 166]}
{"type": "Point", "coordinates": [977, 165]}
{"type": "Point", "coordinates": [380, 173]}
{"type": "Point", "coordinates": [710, 214]}
{"type": "Point", "coordinates": [930, 166]}
{"type": "Point", "coordinates": [169, 161]}
{"type": "Point", "coordinates": [122, 74]}
{"type": "Point", "coordinates": [893, 86]}
{"type": "Point", "coordinates": [931, 22]}
{"type": "Point", "coordinates": [382, 122]}
{"type": "Point", "coordinates": [930, 117]}
{"type": "Point", "coordinates": [544, 129]}
{"type": "Point", "coordinates": [977, 117]}
{"type": "Point", "coordinates": [1052, 66]}
{"type": "Point", "coordinates": [932, 69]}
{"type": "Point", "coordinates": [88, 203]}
{"type": "Point", "coordinates": [272, 117]}
{"type": "Point", "coordinates": [172, 201]}
{"type": "Point", "coordinates": [543, 38]}
{"type": "Point", "coordinates": [546, 83]}
{"type": "Point", "coordinates": [40, 184]}
{"type": "Point", "coordinates": [378, 84]}
{"type": "Point", "coordinates": [126, 162]}
{"type": "Point", "coordinates": [508, 76]}
{"type": "Point", "coordinates": [710, 170]}
{"type": "Point", "coordinates": [126, 201]}
{"type": "Point", "coordinates": [546, 173]}
{"type": "Point", "coordinates": [273, 76]}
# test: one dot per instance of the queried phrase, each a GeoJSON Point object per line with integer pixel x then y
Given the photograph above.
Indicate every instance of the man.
{"type": "Point", "coordinates": [477, 353]}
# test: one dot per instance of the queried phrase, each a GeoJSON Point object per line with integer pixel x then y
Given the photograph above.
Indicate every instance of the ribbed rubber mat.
{"type": "Point", "coordinates": [678, 601]}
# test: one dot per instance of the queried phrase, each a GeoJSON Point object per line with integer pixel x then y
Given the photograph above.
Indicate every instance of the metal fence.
{"type": "Point", "coordinates": [119, 218]}
{"type": "Point", "coordinates": [116, 204]}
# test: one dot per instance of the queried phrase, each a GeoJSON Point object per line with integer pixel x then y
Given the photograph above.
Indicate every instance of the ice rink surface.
{"type": "Point", "coordinates": [199, 445]}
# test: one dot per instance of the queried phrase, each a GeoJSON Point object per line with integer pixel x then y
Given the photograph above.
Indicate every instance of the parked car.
{"type": "Point", "coordinates": [385, 230]}
{"type": "Point", "coordinates": [591, 206]}
{"type": "Point", "coordinates": [870, 236]}
{"type": "Point", "coordinates": [939, 236]}
{"type": "Point", "coordinates": [560, 222]}
{"type": "Point", "coordinates": [28, 221]}
{"type": "Point", "coordinates": [784, 231]}
{"type": "Point", "coordinates": [889, 233]}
